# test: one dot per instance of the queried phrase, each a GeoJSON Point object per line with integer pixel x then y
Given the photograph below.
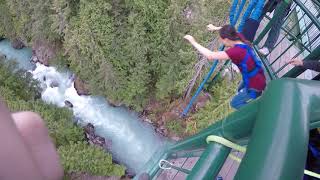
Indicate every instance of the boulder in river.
{"type": "Point", "coordinates": [162, 130]}
{"type": "Point", "coordinates": [34, 58]}
{"type": "Point", "coordinates": [44, 51]}
{"type": "Point", "coordinates": [81, 87]}
{"type": "Point", "coordinates": [114, 103]}
{"type": "Point", "coordinates": [2, 56]}
{"type": "Point", "coordinates": [68, 104]}
{"type": "Point", "coordinates": [94, 139]}
{"type": "Point", "coordinates": [54, 84]}
{"type": "Point", "coordinates": [17, 44]}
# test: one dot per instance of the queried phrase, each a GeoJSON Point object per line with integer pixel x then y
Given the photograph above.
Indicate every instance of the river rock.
{"type": "Point", "coordinates": [17, 44]}
{"type": "Point", "coordinates": [34, 58]}
{"type": "Point", "coordinates": [54, 84]}
{"type": "Point", "coordinates": [94, 139]}
{"type": "Point", "coordinates": [2, 56]}
{"type": "Point", "coordinates": [81, 87]}
{"type": "Point", "coordinates": [162, 130]}
{"type": "Point", "coordinates": [114, 103]}
{"type": "Point", "coordinates": [100, 141]}
{"type": "Point", "coordinates": [43, 51]}
{"type": "Point", "coordinates": [129, 174]}
{"type": "Point", "coordinates": [148, 121]}
{"type": "Point", "coordinates": [68, 104]}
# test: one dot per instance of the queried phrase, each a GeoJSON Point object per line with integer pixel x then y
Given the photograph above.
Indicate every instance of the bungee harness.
{"type": "Point", "coordinates": [246, 74]}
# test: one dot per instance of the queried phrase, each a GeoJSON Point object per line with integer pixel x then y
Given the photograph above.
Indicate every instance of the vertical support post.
{"type": "Point", "coordinates": [210, 163]}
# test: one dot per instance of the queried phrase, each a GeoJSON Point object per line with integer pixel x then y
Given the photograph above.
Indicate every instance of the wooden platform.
{"type": "Point", "coordinates": [227, 172]}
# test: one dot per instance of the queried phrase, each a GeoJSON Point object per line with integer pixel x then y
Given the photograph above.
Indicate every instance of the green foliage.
{"type": "Point", "coordinates": [175, 126]}
{"type": "Point", "coordinates": [134, 49]}
{"type": "Point", "coordinates": [19, 83]}
{"type": "Point", "coordinates": [217, 109]}
{"type": "Point", "coordinates": [80, 157]}
{"type": "Point", "coordinates": [29, 20]}
{"type": "Point", "coordinates": [19, 93]}
{"type": "Point", "coordinates": [5, 19]}
{"type": "Point", "coordinates": [63, 11]}
{"type": "Point", "coordinates": [59, 121]}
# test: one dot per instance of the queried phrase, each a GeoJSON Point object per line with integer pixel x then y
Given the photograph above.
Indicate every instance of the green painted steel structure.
{"type": "Point", "coordinates": [275, 128]}
{"type": "Point", "coordinates": [277, 125]}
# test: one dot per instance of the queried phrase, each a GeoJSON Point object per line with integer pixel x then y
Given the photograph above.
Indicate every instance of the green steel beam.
{"type": "Point", "coordinates": [278, 146]}
{"type": "Point", "coordinates": [296, 38]}
{"type": "Point", "coordinates": [267, 66]}
{"type": "Point", "coordinates": [210, 163]}
{"type": "Point", "coordinates": [186, 154]}
{"type": "Point", "coordinates": [236, 127]}
{"type": "Point", "coordinates": [309, 14]}
{"type": "Point", "coordinates": [284, 100]}
{"type": "Point", "coordinates": [289, 33]}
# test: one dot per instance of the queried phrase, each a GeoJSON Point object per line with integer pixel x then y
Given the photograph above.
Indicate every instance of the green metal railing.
{"type": "Point", "coordinates": [300, 38]}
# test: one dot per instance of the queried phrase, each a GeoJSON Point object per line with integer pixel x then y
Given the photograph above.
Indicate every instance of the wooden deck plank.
{"type": "Point", "coordinates": [226, 167]}
{"type": "Point", "coordinates": [190, 163]}
{"type": "Point", "coordinates": [233, 169]}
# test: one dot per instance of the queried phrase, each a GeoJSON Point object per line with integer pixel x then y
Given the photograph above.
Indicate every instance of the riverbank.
{"type": "Point", "coordinates": [19, 93]}
{"type": "Point", "coordinates": [210, 107]}
{"type": "Point", "coordinates": [86, 110]}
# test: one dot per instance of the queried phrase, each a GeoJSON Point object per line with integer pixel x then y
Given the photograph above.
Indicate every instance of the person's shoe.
{"type": "Point", "coordinates": [264, 51]}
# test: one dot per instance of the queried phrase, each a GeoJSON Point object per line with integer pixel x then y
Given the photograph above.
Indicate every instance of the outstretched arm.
{"type": "Point", "coordinates": [210, 55]}
{"type": "Point", "coordinates": [312, 65]}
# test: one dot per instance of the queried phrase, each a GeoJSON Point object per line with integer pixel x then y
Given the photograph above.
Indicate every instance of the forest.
{"type": "Point", "coordinates": [131, 51]}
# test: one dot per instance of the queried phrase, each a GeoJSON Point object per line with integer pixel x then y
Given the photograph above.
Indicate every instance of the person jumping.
{"type": "Point", "coordinates": [240, 52]}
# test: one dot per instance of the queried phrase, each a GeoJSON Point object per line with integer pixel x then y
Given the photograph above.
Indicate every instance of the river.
{"type": "Point", "coordinates": [133, 141]}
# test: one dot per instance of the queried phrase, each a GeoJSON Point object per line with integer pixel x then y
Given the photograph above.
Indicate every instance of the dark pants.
{"type": "Point", "coordinates": [251, 25]}
{"type": "Point", "coordinates": [276, 27]}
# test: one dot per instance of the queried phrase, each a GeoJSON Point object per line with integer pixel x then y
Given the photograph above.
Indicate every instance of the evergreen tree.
{"type": "Point", "coordinates": [130, 51]}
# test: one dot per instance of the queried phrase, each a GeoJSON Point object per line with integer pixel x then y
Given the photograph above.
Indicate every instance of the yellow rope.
{"type": "Point", "coordinates": [312, 174]}
{"type": "Point", "coordinates": [226, 142]}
